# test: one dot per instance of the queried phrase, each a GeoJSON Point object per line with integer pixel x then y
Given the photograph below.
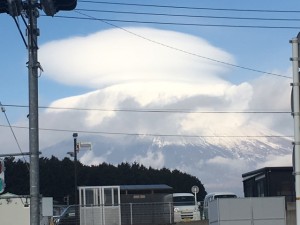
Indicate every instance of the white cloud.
{"type": "Point", "coordinates": [114, 56]}
{"type": "Point", "coordinates": [276, 160]}
{"type": "Point", "coordinates": [229, 164]}
{"type": "Point", "coordinates": [128, 72]}
{"type": "Point", "coordinates": [274, 95]}
{"type": "Point", "coordinates": [89, 158]}
{"type": "Point", "coordinates": [151, 159]}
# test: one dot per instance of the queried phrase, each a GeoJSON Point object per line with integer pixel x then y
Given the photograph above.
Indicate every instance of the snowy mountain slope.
{"type": "Point", "coordinates": [218, 167]}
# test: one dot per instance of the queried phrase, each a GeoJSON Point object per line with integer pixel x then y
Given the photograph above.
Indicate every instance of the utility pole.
{"type": "Point", "coordinates": [31, 8]}
{"type": "Point", "coordinates": [33, 65]}
{"type": "Point", "coordinates": [296, 115]}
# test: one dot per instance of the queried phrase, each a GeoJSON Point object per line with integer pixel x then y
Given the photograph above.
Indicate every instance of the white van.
{"type": "Point", "coordinates": [212, 196]}
{"type": "Point", "coordinates": [185, 207]}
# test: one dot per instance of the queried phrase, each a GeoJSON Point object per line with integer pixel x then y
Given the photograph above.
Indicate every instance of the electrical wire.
{"type": "Point", "coordinates": [29, 28]}
{"type": "Point", "coordinates": [192, 8]}
{"type": "Point", "coordinates": [183, 111]}
{"type": "Point", "coordinates": [13, 133]}
{"type": "Point", "coordinates": [20, 32]}
{"type": "Point", "coordinates": [181, 24]}
{"type": "Point", "coordinates": [155, 135]}
{"type": "Point", "coordinates": [188, 16]}
{"type": "Point", "coordinates": [171, 47]}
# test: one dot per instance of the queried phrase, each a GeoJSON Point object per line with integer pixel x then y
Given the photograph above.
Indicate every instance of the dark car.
{"type": "Point", "coordinates": [70, 216]}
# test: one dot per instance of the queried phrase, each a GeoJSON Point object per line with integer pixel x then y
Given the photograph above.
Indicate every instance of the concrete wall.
{"type": "Point", "coordinates": [247, 211]}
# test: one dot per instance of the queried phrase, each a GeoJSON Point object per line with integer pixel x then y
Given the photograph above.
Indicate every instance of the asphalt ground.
{"type": "Point", "coordinates": [199, 222]}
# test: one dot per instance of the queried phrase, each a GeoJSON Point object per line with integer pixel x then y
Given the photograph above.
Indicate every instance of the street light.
{"type": "Point", "coordinates": [77, 147]}
{"type": "Point", "coordinates": [75, 135]}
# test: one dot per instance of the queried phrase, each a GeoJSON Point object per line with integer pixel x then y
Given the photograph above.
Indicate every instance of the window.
{"type": "Point", "coordinates": [260, 188]}
{"type": "Point", "coordinates": [89, 197]}
{"type": "Point", "coordinates": [183, 200]}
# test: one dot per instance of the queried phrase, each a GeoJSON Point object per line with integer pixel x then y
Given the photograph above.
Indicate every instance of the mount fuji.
{"type": "Point", "coordinates": [218, 165]}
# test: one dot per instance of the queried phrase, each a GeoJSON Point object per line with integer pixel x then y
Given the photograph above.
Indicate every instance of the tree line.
{"type": "Point", "coordinates": [57, 177]}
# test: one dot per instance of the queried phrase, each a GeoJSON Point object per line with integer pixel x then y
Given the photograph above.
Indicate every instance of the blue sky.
{"type": "Point", "coordinates": [91, 63]}
{"type": "Point", "coordinates": [263, 49]}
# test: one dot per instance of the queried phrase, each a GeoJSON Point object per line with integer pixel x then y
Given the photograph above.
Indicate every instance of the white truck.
{"type": "Point", "coordinates": [211, 197]}
{"type": "Point", "coordinates": [185, 207]}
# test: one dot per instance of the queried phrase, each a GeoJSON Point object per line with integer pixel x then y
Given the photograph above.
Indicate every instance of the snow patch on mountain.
{"type": "Point", "coordinates": [218, 166]}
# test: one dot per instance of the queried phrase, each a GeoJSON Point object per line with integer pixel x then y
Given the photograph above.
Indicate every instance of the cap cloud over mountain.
{"type": "Point", "coordinates": [216, 148]}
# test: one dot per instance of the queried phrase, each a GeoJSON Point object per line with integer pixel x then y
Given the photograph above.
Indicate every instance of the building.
{"type": "Point", "coordinates": [126, 205]}
{"type": "Point", "coordinates": [270, 181]}
{"type": "Point", "coordinates": [146, 204]}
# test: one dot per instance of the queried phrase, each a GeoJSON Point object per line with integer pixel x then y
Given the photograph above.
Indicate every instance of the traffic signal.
{"type": "Point", "coordinates": [51, 7]}
{"type": "Point", "coordinates": [3, 6]}
{"type": "Point", "coordinates": [11, 7]}
{"type": "Point", "coordinates": [2, 180]}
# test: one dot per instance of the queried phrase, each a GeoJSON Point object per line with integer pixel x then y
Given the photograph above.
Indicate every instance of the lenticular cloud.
{"type": "Point", "coordinates": [114, 56]}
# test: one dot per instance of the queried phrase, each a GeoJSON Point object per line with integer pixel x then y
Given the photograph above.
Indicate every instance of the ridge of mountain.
{"type": "Point", "coordinates": [218, 166]}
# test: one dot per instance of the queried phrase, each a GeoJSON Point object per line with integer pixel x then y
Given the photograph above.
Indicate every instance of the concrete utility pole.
{"type": "Point", "coordinates": [15, 8]}
{"type": "Point", "coordinates": [33, 66]}
{"type": "Point", "coordinates": [296, 115]}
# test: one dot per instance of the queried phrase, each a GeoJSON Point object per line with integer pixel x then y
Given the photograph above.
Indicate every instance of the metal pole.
{"type": "Point", "coordinates": [131, 218]}
{"type": "Point", "coordinates": [33, 66]}
{"type": "Point", "coordinates": [296, 114]}
{"type": "Point", "coordinates": [75, 135]}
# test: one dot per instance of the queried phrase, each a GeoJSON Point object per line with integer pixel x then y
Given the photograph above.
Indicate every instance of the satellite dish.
{"type": "Point", "coordinates": [195, 189]}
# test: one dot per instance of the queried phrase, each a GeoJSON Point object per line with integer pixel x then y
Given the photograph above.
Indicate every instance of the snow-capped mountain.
{"type": "Point", "coordinates": [218, 166]}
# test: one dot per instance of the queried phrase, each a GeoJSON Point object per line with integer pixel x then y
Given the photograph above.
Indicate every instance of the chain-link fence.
{"type": "Point", "coordinates": [124, 214]}
{"type": "Point", "coordinates": [147, 213]}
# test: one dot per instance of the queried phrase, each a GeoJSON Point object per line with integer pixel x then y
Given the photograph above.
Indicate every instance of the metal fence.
{"type": "Point", "coordinates": [147, 213]}
{"type": "Point", "coordinates": [123, 214]}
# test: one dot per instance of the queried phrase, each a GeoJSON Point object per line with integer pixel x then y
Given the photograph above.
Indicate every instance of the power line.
{"type": "Point", "coordinates": [183, 111]}
{"type": "Point", "coordinates": [188, 16]}
{"type": "Point", "coordinates": [13, 133]}
{"type": "Point", "coordinates": [183, 24]}
{"type": "Point", "coordinates": [155, 135]}
{"type": "Point", "coordinates": [192, 8]}
{"type": "Point", "coordinates": [20, 32]}
{"type": "Point", "coordinates": [174, 48]}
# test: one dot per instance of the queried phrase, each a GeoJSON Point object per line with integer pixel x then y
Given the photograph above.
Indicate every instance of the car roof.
{"type": "Point", "coordinates": [219, 193]}
{"type": "Point", "coordinates": [182, 194]}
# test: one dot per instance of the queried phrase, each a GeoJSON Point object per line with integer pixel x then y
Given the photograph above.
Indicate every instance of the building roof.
{"type": "Point", "coordinates": [145, 187]}
{"type": "Point", "coordinates": [266, 169]}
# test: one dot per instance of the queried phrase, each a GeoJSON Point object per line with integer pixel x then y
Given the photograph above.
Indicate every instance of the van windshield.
{"type": "Point", "coordinates": [225, 196]}
{"type": "Point", "coordinates": [183, 200]}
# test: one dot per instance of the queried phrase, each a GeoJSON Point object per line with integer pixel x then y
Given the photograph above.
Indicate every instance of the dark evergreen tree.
{"type": "Point", "coordinates": [57, 177]}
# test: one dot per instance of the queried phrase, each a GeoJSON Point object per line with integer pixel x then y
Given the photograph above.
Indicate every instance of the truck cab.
{"type": "Point", "coordinates": [212, 196]}
{"type": "Point", "coordinates": [185, 207]}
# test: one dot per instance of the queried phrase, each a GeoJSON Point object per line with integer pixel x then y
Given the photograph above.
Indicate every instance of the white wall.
{"type": "Point", "coordinates": [13, 212]}
{"type": "Point", "coordinates": [247, 211]}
